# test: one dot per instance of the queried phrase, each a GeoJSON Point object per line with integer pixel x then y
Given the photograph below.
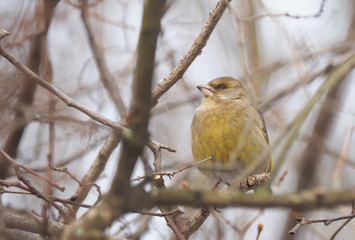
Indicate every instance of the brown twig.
{"type": "Point", "coordinates": [270, 100]}
{"type": "Point", "coordinates": [173, 221]}
{"type": "Point", "coordinates": [66, 171]}
{"type": "Point", "coordinates": [337, 50]}
{"type": "Point", "coordinates": [37, 193]}
{"type": "Point", "coordinates": [334, 76]}
{"type": "Point", "coordinates": [2, 190]}
{"type": "Point", "coordinates": [81, 184]}
{"type": "Point", "coordinates": [118, 198]}
{"type": "Point", "coordinates": [3, 33]}
{"type": "Point", "coordinates": [95, 170]}
{"type": "Point", "coordinates": [69, 201]}
{"type": "Point", "coordinates": [174, 211]}
{"type": "Point", "coordinates": [65, 98]}
{"type": "Point", "coordinates": [18, 166]}
{"type": "Point", "coordinates": [105, 75]}
{"type": "Point", "coordinates": [339, 229]}
{"type": "Point", "coordinates": [16, 184]}
{"type": "Point", "coordinates": [172, 174]}
{"type": "Point", "coordinates": [156, 147]}
{"type": "Point", "coordinates": [316, 15]}
{"type": "Point", "coordinates": [218, 215]}
{"type": "Point", "coordinates": [313, 199]}
{"type": "Point", "coordinates": [110, 144]}
{"type": "Point", "coordinates": [36, 58]}
{"type": "Point", "coordinates": [48, 73]}
{"type": "Point", "coordinates": [195, 50]}
{"type": "Point", "coordinates": [344, 151]}
{"type": "Point", "coordinates": [326, 221]}
{"type": "Point", "coordinates": [120, 24]}
{"type": "Point", "coordinates": [76, 155]}
{"type": "Point", "coordinates": [343, 225]}
{"type": "Point", "coordinates": [280, 179]}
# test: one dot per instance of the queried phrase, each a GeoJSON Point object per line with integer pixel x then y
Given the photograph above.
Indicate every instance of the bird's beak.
{"type": "Point", "coordinates": [206, 90]}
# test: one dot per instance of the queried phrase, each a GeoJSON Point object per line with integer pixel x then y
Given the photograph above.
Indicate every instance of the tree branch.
{"type": "Point", "coordinates": [195, 50]}
{"type": "Point", "coordinates": [334, 76]}
{"type": "Point", "coordinates": [116, 201]}
{"type": "Point", "coordinates": [105, 75]}
{"type": "Point", "coordinates": [65, 98]}
{"type": "Point", "coordinates": [326, 221]}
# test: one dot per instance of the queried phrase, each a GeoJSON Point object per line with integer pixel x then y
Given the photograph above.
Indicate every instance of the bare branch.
{"type": "Point", "coordinates": [316, 15]}
{"type": "Point", "coordinates": [161, 214]}
{"type": "Point", "coordinates": [335, 76]}
{"type": "Point", "coordinates": [195, 50]}
{"type": "Point", "coordinates": [120, 192]}
{"type": "Point", "coordinates": [105, 75]}
{"type": "Point", "coordinates": [173, 173]}
{"type": "Point", "coordinates": [3, 33]}
{"type": "Point", "coordinates": [18, 166]}
{"type": "Point", "coordinates": [326, 221]}
{"type": "Point", "coordinates": [65, 98]}
{"type": "Point", "coordinates": [30, 223]}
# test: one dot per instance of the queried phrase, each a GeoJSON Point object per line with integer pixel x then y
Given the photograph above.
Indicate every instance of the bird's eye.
{"type": "Point", "coordinates": [221, 86]}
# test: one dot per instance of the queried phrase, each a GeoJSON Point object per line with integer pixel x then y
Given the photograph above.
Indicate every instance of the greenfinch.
{"type": "Point", "coordinates": [228, 127]}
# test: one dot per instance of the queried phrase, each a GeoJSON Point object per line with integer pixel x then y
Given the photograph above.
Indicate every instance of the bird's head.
{"type": "Point", "coordinates": [224, 88]}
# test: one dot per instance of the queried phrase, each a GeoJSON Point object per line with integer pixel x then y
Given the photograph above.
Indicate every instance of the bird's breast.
{"type": "Point", "coordinates": [214, 132]}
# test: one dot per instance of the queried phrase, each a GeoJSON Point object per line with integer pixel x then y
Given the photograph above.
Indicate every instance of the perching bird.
{"type": "Point", "coordinates": [228, 127]}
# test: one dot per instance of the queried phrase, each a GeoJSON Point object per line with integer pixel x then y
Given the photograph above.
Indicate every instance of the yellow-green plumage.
{"type": "Point", "coordinates": [229, 128]}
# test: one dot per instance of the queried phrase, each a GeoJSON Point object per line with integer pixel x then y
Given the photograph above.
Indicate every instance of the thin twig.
{"type": "Point", "coordinates": [2, 190]}
{"type": "Point", "coordinates": [316, 15]}
{"type": "Point", "coordinates": [116, 204]}
{"type": "Point", "coordinates": [174, 211]}
{"type": "Point", "coordinates": [105, 75]}
{"type": "Point", "coordinates": [172, 174]}
{"type": "Point", "coordinates": [18, 165]}
{"type": "Point", "coordinates": [65, 170]}
{"type": "Point", "coordinates": [339, 50]}
{"type": "Point", "coordinates": [37, 193]}
{"type": "Point", "coordinates": [326, 221]}
{"type": "Point", "coordinates": [334, 76]}
{"type": "Point", "coordinates": [69, 201]}
{"type": "Point", "coordinates": [343, 225]}
{"type": "Point", "coordinates": [156, 147]}
{"type": "Point", "coordinates": [173, 221]}
{"type": "Point", "coordinates": [65, 98]}
{"type": "Point", "coordinates": [16, 184]}
{"type": "Point", "coordinates": [280, 179]}
{"type": "Point", "coordinates": [344, 151]}
{"type": "Point", "coordinates": [3, 33]}
{"type": "Point", "coordinates": [269, 101]}
{"type": "Point", "coordinates": [218, 215]}
{"type": "Point", "coordinates": [195, 50]}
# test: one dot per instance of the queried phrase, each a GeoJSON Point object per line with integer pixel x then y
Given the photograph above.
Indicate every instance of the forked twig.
{"type": "Point", "coordinates": [326, 221]}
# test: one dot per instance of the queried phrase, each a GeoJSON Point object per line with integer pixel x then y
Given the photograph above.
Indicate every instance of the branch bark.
{"type": "Point", "coordinates": [37, 56]}
{"type": "Point", "coordinates": [195, 50]}
{"type": "Point", "coordinates": [105, 75]}
{"type": "Point", "coordinates": [116, 201]}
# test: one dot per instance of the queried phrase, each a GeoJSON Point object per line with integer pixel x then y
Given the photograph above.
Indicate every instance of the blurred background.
{"type": "Point", "coordinates": [282, 49]}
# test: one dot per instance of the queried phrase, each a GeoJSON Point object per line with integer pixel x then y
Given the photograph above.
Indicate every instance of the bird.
{"type": "Point", "coordinates": [228, 128]}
